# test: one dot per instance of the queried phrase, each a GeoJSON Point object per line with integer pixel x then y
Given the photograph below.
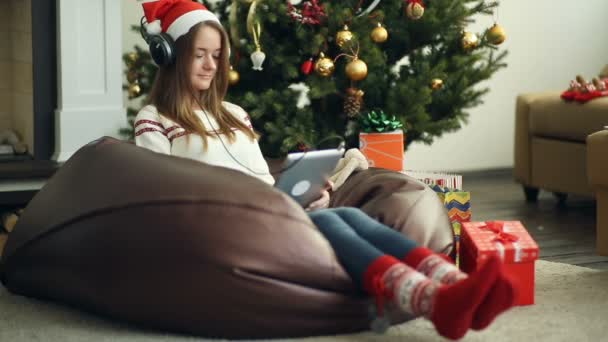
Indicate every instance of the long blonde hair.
{"type": "Point", "coordinates": [172, 92]}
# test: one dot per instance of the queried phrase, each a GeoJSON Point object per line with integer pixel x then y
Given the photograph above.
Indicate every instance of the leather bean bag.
{"type": "Point", "coordinates": [178, 245]}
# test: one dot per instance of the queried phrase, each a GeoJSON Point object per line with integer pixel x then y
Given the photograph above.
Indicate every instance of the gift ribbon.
{"type": "Point", "coordinates": [502, 238]}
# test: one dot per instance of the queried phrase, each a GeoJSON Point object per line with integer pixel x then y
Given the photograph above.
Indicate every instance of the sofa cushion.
{"type": "Point", "coordinates": [552, 117]}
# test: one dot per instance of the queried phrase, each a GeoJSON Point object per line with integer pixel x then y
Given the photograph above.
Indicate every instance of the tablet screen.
{"type": "Point", "coordinates": [306, 173]}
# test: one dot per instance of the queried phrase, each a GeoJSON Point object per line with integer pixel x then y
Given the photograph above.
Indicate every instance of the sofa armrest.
{"type": "Point", "coordinates": [597, 161]}
{"type": "Point", "coordinates": [521, 167]}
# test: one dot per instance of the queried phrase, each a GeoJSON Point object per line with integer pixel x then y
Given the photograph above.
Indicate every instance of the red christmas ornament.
{"type": "Point", "coordinates": [307, 67]}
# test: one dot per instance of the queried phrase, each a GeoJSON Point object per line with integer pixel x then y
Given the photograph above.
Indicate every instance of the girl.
{"type": "Point", "coordinates": [187, 117]}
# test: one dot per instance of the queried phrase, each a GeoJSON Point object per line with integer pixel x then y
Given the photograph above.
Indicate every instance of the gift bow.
{"type": "Point", "coordinates": [502, 238]}
{"type": "Point", "coordinates": [498, 229]}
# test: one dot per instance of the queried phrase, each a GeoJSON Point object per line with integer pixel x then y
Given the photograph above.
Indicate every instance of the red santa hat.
{"type": "Point", "coordinates": [174, 17]}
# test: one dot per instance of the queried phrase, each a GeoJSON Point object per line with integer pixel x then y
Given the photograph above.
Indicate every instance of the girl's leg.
{"type": "Point", "coordinates": [428, 263]}
{"type": "Point", "coordinates": [451, 308]}
{"type": "Point", "coordinates": [380, 235]}
{"type": "Point", "coordinates": [396, 244]}
{"type": "Point", "coordinates": [353, 252]}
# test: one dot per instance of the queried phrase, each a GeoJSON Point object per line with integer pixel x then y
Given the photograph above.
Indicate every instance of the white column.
{"type": "Point", "coordinates": [89, 74]}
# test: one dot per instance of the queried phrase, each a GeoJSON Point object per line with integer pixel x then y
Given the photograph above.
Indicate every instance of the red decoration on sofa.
{"type": "Point", "coordinates": [582, 91]}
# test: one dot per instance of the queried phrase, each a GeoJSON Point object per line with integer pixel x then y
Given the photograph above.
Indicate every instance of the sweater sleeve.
{"type": "Point", "coordinates": [150, 132]}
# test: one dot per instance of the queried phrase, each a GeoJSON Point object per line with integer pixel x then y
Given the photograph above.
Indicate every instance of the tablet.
{"type": "Point", "coordinates": [306, 173]}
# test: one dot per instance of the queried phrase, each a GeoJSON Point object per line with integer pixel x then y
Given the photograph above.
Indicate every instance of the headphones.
{"type": "Point", "coordinates": [161, 46]}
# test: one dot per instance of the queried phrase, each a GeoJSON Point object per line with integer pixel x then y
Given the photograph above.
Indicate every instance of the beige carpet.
{"type": "Point", "coordinates": [572, 305]}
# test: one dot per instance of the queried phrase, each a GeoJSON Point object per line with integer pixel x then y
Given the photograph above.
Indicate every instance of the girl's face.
{"type": "Point", "coordinates": [207, 53]}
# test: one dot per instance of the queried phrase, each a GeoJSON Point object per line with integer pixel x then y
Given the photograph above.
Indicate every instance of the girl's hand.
{"type": "Point", "coordinates": [323, 200]}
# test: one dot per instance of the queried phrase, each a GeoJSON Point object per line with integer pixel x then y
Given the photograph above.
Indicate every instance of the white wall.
{"type": "Point", "coordinates": [549, 43]}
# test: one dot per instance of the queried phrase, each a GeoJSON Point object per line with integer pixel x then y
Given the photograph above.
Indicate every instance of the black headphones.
{"type": "Point", "coordinates": [161, 46]}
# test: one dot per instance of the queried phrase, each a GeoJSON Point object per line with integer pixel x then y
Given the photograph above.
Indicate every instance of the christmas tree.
{"type": "Point", "coordinates": [329, 63]}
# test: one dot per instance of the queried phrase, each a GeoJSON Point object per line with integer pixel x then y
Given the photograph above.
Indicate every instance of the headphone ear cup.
{"type": "Point", "coordinates": [162, 49]}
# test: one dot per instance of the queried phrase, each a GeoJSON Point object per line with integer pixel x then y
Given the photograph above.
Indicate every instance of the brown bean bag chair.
{"type": "Point", "coordinates": [177, 245]}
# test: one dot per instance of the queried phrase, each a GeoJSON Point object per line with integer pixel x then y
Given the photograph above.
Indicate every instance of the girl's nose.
{"type": "Point", "coordinates": [209, 62]}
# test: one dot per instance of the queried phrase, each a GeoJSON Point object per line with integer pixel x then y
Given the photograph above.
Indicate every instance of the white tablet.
{"type": "Point", "coordinates": [306, 173]}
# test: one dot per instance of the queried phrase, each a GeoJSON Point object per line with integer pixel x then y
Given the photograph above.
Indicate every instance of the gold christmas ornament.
{"type": "Point", "coordinates": [324, 66]}
{"type": "Point", "coordinates": [496, 34]}
{"type": "Point", "coordinates": [233, 76]}
{"type": "Point", "coordinates": [436, 83]}
{"type": "Point", "coordinates": [379, 34]}
{"type": "Point", "coordinates": [133, 57]}
{"type": "Point", "coordinates": [134, 90]}
{"type": "Point", "coordinates": [344, 36]}
{"type": "Point", "coordinates": [469, 41]}
{"type": "Point", "coordinates": [414, 10]}
{"type": "Point", "coordinates": [356, 69]}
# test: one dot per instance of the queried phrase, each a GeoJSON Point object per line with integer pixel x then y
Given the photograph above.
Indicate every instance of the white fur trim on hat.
{"type": "Point", "coordinates": [153, 27]}
{"type": "Point", "coordinates": [184, 23]}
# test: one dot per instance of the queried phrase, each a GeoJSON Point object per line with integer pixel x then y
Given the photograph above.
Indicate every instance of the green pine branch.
{"type": "Point", "coordinates": [399, 70]}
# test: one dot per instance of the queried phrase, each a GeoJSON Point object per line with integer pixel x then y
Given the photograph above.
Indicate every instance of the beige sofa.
{"type": "Point", "coordinates": [597, 170]}
{"type": "Point", "coordinates": [550, 142]}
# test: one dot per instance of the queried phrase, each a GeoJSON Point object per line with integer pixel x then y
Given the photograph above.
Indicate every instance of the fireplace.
{"type": "Point", "coordinates": [60, 84]}
{"type": "Point", "coordinates": [28, 87]}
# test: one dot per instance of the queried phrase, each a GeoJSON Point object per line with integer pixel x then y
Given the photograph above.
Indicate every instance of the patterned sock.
{"type": "Point", "coordinates": [438, 267]}
{"type": "Point", "coordinates": [435, 266]}
{"type": "Point", "coordinates": [501, 297]}
{"type": "Point", "coordinates": [449, 307]}
{"type": "Point", "coordinates": [375, 277]}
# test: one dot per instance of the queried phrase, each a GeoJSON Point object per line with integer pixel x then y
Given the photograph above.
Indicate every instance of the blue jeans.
{"type": "Point", "coordinates": [358, 239]}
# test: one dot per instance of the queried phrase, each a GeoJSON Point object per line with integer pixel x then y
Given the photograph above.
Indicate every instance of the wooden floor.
{"type": "Point", "coordinates": [564, 233]}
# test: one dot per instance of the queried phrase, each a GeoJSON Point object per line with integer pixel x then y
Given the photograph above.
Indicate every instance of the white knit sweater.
{"type": "Point", "coordinates": [160, 134]}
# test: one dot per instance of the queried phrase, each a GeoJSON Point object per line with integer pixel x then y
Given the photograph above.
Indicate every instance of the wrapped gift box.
{"type": "Point", "coordinates": [458, 205]}
{"type": "Point", "coordinates": [384, 150]}
{"type": "Point", "coordinates": [443, 179]}
{"type": "Point", "coordinates": [508, 239]}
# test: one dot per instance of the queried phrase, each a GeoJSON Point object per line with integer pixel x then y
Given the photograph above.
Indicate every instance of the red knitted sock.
{"type": "Point", "coordinates": [455, 305]}
{"type": "Point", "coordinates": [501, 297]}
{"type": "Point", "coordinates": [435, 266]}
{"type": "Point", "coordinates": [375, 279]}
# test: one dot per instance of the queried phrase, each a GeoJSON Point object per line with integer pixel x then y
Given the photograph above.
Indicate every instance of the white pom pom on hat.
{"type": "Point", "coordinates": [153, 27]}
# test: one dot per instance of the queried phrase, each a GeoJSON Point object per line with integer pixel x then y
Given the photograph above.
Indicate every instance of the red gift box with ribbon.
{"type": "Point", "coordinates": [508, 239]}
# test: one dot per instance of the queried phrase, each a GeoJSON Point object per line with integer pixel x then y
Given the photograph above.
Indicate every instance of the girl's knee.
{"type": "Point", "coordinates": [323, 217]}
{"type": "Point", "coordinates": [345, 210]}
{"type": "Point", "coordinates": [328, 220]}
{"type": "Point", "coordinates": [349, 212]}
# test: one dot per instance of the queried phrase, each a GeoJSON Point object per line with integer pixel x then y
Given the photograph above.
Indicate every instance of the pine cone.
{"type": "Point", "coordinates": [353, 102]}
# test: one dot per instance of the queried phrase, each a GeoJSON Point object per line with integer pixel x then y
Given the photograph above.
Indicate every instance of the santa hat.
{"type": "Point", "coordinates": [175, 17]}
